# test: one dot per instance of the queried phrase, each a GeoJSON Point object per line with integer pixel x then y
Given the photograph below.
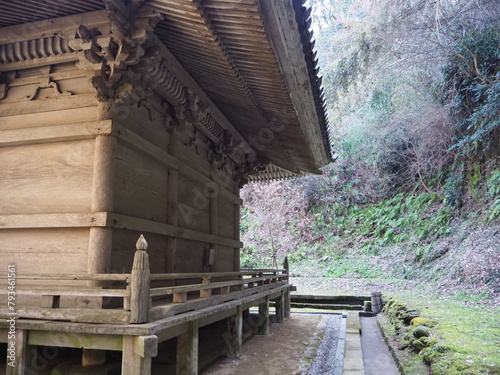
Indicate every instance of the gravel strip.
{"type": "Point", "coordinates": [327, 333]}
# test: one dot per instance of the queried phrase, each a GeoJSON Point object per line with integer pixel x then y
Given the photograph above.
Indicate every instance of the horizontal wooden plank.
{"type": "Point", "coordinates": [47, 105]}
{"type": "Point", "coordinates": [69, 220]}
{"type": "Point", "coordinates": [44, 28]}
{"type": "Point", "coordinates": [195, 287]}
{"type": "Point", "coordinates": [143, 225]}
{"type": "Point", "coordinates": [166, 316]}
{"type": "Point", "coordinates": [33, 63]}
{"type": "Point", "coordinates": [72, 315]}
{"type": "Point", "coordinates": [58, 117]}
{"type": "Point", "coordinates": [76, 292]}
{"type": "Point", "coordinates": [55, 133]}
{"type": "Point", "coordinates": [180, 276]}
{"type": "Point", "coordinates": [69, 276]}
{"type": "Point", "coordinates": [76, 340]}
{"type": "Point", "coordinates": [40, 240]}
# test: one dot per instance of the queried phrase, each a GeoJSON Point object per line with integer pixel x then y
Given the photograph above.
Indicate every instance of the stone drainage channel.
{"type": "Point", "coordinates": [349, 342]}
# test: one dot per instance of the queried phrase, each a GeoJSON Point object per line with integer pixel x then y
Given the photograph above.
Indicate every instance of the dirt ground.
{"type": "Point", "coordinates": [284, 352]}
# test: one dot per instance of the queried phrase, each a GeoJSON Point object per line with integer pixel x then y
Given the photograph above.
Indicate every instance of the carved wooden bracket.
{"type": "Point", "coordinates": [53, 86]}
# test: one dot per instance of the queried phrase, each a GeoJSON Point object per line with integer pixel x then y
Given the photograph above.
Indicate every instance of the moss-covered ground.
{"type": "Point", "coordinates": [464, 338]}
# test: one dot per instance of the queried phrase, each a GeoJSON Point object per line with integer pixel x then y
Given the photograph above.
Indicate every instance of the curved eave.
{"type": "Point", "coordinates": [229, 48]}
{"type": "Point", "coordinates": [288, 27]}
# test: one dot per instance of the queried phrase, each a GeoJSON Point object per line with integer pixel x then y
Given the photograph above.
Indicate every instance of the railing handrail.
{"type": "Point", "coordinates": [264, 269]}
{"type": "Point", "coordinates": [71, 276]}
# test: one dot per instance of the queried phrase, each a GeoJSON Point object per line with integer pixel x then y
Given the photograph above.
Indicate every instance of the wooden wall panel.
{"type": "Point", "coordinates": [140, 186]}
{"type": "Point", "coordinates": [46, 178]}
{"type": "Point", "coordinates": [142, 122]}
{"type": "Point", "coordinates": [194, 205]}
{"type": "Point", "coordinates": [226, 218]}
{"type": "Point", "coordinates": [44, 250]}
{"type": "Point", "coordinates": [190, 255]}
{"type": "Point", "coordinates": [122, 256]}
{"type": "Point", "coordinates": [194, 153]}
{"type": "Point", "coordinates": [224, 259]}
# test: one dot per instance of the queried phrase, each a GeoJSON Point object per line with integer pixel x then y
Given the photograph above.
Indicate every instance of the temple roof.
{"type": "Point", "coordinates": [253, 58]}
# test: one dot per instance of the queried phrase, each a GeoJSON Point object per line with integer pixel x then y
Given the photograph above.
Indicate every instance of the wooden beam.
{"type": "Point", "coordinates": [54, 104]}
{"type": "Point", "coordinates": [287, 307]}
{"type": "Point", "coordinates": [233, 337]}
{"type": "Point", "coordinates": [172, 205]}
{"type": "Point", "coordinates": [17, 358]}
{"type": "Point", "coordinates": [146, 346]}
{"type": "Point", "coordinates": [100, 239]}
{"type": "Point", "coordinates": [236, 230]}
{"type": "Point", "coordinates": [280, 308]}
{"type": "Point", "coordinates": [161, 312]}
{"type": "Point", "coordinates": [66, 220]}
{"type": "Point", "coordinates": [45, 28]}
{"type": "Point", "coordinates": [132, 362]}
{"type": "Point", "coordinates": [172, 332]}
{"type": "Point", "coordinates": [75, 340]}
{"type": "Point", "coordinates": [37, 62]}
{"type": "Point", "coordinates": [56, 133]}
{"type": "Point", "coordinates": [263, 328]}
{"type": "Point", "coordinates": [72, 314]}
{"type": "Point", "coordinates": [212, 318]}
{"type": "Point", "coordinates": [150, 226]}
{"type": "Point", "coordinates": [187, 351]}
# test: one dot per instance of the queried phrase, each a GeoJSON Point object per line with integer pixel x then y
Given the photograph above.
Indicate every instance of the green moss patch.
{"type": "Point", "coordinates": [448, 337]}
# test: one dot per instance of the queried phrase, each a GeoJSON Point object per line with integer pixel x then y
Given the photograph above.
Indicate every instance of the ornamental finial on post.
{"type": "Point", "coordinates": [141, 243]}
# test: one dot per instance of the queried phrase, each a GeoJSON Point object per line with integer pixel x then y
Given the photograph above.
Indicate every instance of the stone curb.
{"type": "Point", "coordinates": [389, 346]}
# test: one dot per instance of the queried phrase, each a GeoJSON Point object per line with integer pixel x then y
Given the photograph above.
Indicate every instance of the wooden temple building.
{"type": "Point", "coordinates": [127, 117]}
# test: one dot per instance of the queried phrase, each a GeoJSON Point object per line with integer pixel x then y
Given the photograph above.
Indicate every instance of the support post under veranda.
{"type": "Point", "coordinates": [286, 303]}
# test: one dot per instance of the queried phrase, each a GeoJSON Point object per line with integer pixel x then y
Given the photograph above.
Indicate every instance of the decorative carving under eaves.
{"type": "Point", "coordinates": [34, 49]}
{"type": "Point", "coordinates": [4, 88]}
{"type": "Point", "coordinates": [193, 142]}
{"type": "Point", "coordinates": [250, 166]}
{"type": "Point", "coordinates": [50, 85]}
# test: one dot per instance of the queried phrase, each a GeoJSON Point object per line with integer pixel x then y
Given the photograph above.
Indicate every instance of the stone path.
{"type": "Point", "coordinates": [376, 357]}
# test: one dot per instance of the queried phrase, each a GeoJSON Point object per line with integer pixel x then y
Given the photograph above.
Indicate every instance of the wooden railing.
{"type": "Point", "coordinates": [144, 295]}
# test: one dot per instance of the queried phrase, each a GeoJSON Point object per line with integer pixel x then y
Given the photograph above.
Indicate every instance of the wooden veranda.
{"type": "Point", "coordinates": [138, 312]}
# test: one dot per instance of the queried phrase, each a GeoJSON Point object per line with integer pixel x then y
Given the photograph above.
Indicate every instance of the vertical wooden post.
{"type": "Point", "coordinates": [100, 239]}
{"type": "Point", "coordinates": [205, 293]}
{"type": "Point", "coordinates": [139, 284]}
{"type": "Point", "coordinates": [233, 336]}
{"type": "Point", "coordinates": [187, 351]}
{"type": "Point", "coordinates": [286, 267]}
{"type": "Point", "coordinates": [20, 356]}
{"type": "Point", "coordinates": [236, 230]}
{"type": "Point", "coordinates": [263, 328]}
{"type": "Point", "coordinates": [137, 354]}
{"type": "Point", "coordinates": [280, 308]}
{"type": "Point", "coordinates": [213, 208]}
{"type": "Point", "coordinates": [376, 298]}
{"type": "Point", "coordinates": [287, 303]}
{"type": "Point", "coordinates": [172, 205]}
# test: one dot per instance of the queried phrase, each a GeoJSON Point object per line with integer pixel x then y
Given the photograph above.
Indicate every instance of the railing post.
{"type": "Point", "coordinates": [286, 302]}
{"type": "Point", "coordinates": [287, 268]}
{"type": "Point", "coordinates": [139, 284]}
